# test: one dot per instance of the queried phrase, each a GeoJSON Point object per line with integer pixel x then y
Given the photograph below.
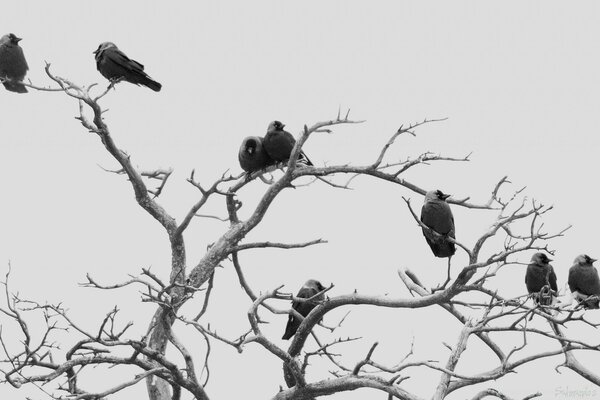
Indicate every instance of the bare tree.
{"type": "Point", "coordinates": [482, 312]}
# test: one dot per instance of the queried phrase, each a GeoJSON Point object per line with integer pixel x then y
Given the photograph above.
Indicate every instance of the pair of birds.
{"type": "Point", "coordinates": [258, 153]}
{"type": "Point", "coordinates": [111, 62]}
{"type": "Point", "coordinates": [583, 280]}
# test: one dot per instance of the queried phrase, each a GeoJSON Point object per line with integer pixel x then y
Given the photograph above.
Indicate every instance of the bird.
{"type": "Point", "coordinates": [540, 274]}
{"type": "Point", "coordinates": [310, 289]}
{"type": "Point", "coordinates": [436, 215]}
{"type": "Point", "coordinates": [584, 282]}
{"type": "Point", "coordinates": [279, 144]}
{"type": "Point", "coordinates": [114, 65]}
{"type": "Point", "coordinates": [252, 155]}
{"type": "Point", "coordinates": [12, 63]}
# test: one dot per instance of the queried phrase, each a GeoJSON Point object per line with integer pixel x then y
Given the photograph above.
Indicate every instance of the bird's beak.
{"type": "Point", "coordinates": [445, 196]}
{"type": "Point", "coordinates": [549, 259]}
{"type": "Point", "coordinates": [282, 126]}
{"type": "Point", "coordinates": [95, 51]}
{"type": "Point", "coordinates": [593, 260]}
{"type": "Point", "coordinates": [18, 39]}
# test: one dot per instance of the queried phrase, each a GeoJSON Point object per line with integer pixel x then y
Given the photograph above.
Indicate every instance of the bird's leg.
{"type": "Point", "coordinates": [113, 82]}
{"type": "Point", "coordinates": [443, 285]}
{"type": "Point", "coordinates": [448, 273]}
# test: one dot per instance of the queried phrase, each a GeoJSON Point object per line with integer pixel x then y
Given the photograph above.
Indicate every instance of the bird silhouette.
{"type": "Point", "coordinates": [539, 274]}
{"type": "Point", "coordinates": [279, 144]}
{"type": "Point", "coordinates": [310, 289]}
{"type": "Point", "coordinates": [12, 63]}
{"type": "Point", "coordinates": [114, 65]}
{"type": "Point", "coordinates": [584, 281]}
{"type": "Point", "coordinates": [436, 215]}
{"type": "Point", "coordinates": [252, 155]}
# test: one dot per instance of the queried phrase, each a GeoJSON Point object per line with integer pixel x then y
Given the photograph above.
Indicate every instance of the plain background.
{"type": "Point", "coordinates": [518, 82]}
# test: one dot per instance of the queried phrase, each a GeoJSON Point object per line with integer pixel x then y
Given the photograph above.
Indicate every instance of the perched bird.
{"type": "Point", "coordinates": [12, 63]}
{"type": "Point", "coordinates": [310, 288]}
{"type": "Point", "coordinates": [113, 64]}
{"type": "Point", "coordinates": [539, 274]}
{"type": "Point", "coordinates": [279, 144]}
{"type": "Point", "coordinates": [584, 281]}
{"type": "Point", "coordinates": [252, 155]}
{"type": "Point", "coordinates": [436, 214]}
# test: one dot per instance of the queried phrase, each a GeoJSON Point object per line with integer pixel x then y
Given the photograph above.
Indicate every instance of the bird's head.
{"type": "Point", "coordinates": [251, 145]}
{"type": "Point", "coordinates": [584, 259]}
{"type": "Point", "coordinates": [14, 39]}
{"type": "Point", "coordinates": [436, 195]}
{"type": "Point", "coordinates": [10, 39]}
{"type": "Point", "coordinates": [314, 284]}
{"type": "Point", "coordinates": [540, 259]}
{"type": "Point", "coordinates": [275, 126]}
{"type": "Point", "coordinates": [104, 46]}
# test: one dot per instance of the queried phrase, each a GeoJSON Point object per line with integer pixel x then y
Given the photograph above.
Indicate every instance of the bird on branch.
{"type": "Point", "coordinates": [540, 275]}
{"type": "Point", "coordinates": [115, 66]}
{"type": "Point", "coordinates": [279, 144]}
{"type": "Point", "coordinates": [13, 66]}
{"type": "Point", "coordinates": [584, 282]}
{"type": "Point", "coordinates": [436, 215]}
{"type": "Point", "coordinates": [252, 155]}
{"type": "Point", "coordinates": [310, 289]}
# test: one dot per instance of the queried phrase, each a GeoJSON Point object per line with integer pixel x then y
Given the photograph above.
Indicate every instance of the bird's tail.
{"type": "Point", "coordinates": [16, 87]}
{"type": "Point", "coordinates": [152, 84]}
{"type": "Point", "coordinates": [291, 327]}
{"type": "Point", "coordinates": [304, 159]}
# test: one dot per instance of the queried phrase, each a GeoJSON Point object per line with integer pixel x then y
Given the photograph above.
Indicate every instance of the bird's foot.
{"type": "Point", "coordinates": [113, 82]}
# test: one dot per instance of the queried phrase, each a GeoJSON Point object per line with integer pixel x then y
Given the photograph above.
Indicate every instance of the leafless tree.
{"type": "Point", "coordinates": [483, 313]}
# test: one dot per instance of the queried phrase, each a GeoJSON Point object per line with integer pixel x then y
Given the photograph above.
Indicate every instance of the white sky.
{"type": "Point", "coordinates": [517, 80]}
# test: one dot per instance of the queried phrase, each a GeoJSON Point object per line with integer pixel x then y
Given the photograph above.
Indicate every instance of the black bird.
{"type": "Point", "coordinates": [12, 63]}
{"type": "Point", "coordinates": [279, 144]}
{"type": "Point", "coordinates": [310, 288]}
{"type": "Point", "coordinates": [539, 274]}
{"type": "Point", "coordinates": [436, 214]}
{"type": "Point", "coordinates": [252, 155]}
{"type": "Point", "coordinates": [583, 279]}
{"type": "Point", "coordinates": [113, 64]}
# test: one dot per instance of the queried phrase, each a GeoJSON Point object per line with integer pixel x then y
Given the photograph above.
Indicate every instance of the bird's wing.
{"type": "Point", "coordinates": [584, 280]}
{"type": "Point", "coordinates": [552, 279]}
{"type": "Point", "coordinates": [437, 216]}
{"type": "Point", "coordinates": [573, 280]}
{"type": "Point", "coordinates": [303, 307]}
{"type": "Point", "coordinates": [590, 284]}
{"type": "Point", "coordinates": [21, 58]}
{"type": "Point", "coordinates": [528, 276]}
{"type": "Point", "coordinates": [118, 57]}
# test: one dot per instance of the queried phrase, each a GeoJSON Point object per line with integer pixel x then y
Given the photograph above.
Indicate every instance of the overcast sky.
{"type": "Point", "coordinates": [518, 82]}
